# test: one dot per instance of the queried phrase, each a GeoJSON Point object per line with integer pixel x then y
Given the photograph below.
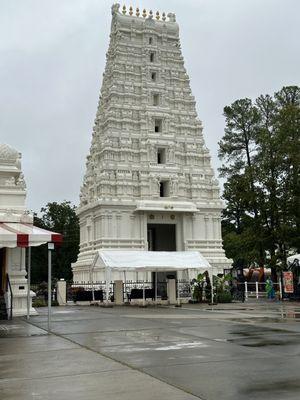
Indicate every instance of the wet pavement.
{"type": "Point", "coordinates": [235, 351]}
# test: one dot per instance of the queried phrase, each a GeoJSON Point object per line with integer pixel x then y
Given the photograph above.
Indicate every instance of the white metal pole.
{"type": "Point", "coordinates": [256, 289]}
{"type": "Point", "coordinates": [28, 280]}
{"type": "Point", "coordinates": [280, 288]}
{"type": "Point", "coordinates": [125, 287]}
{"type": "Point", "coordinates": [144, 289]}
{"type": "Point", "coordinates": [156, 287]}
{"type": "Point", "coordinates": [246, 291]}
{"type": "Point", "coordinates": [212, 285]}
{"type": "Point", "coordinates": [107, 286]}
{"type": "Point", "coordinates": [178, 298]}
{"type": "Point", "coordinates": [92, 282]}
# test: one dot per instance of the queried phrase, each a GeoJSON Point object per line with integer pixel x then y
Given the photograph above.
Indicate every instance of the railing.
{"type": "Point", "coordinates": [131, 290]}
{"type": "Point", "coordinates": [9, 298]}
{"type": "Point", "coordinates": [84, 291]}
{"type": "Point", "coordinates": [134, 290]}
{"type": "Point", "coordinates": [157, 289]}
{"type": "Point", "coordinates": [258, 290]}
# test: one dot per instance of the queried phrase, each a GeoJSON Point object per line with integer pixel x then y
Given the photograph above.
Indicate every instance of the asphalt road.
{"type": "Point", "coordinates": [236, 351]}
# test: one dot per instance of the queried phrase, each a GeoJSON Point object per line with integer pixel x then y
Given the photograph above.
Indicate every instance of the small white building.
{"type": "Point", "coordinates": [17, 233]}
{"type": "Point", "coordinates": [149, 183]}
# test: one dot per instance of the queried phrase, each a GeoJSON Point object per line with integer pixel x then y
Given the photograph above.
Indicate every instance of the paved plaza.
{"type": "Point", "coordinates": [234, 351]}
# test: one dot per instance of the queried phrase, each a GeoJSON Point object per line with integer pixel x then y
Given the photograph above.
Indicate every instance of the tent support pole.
{"type": "Point", "coordinates": [212, 286]}
{"type": "Point", "coordinates": [144, 290]}
{"type": "Point", "coordinates": [92, 282]}
{"type": "Point", "coordinates": [178, 295]}
{"type": "Point", "coordinates": [125, 291]}
{"type": "Point", "coordinates": [107, 286]}
{"type": "Point", "coordinates": [28, 280]}
{"type": "Point", "coordinates": [156, 287]}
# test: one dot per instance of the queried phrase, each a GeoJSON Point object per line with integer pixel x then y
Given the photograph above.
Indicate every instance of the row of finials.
{"type": "Point", "coordinates": [144, 14]}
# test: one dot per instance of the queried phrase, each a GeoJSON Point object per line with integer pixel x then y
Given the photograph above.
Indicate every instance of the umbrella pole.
{"type": "Point", "coordinates": [28, 280]}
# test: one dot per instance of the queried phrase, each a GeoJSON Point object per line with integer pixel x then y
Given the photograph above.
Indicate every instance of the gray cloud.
{"type": "Point", "coordinates": [52, 56]}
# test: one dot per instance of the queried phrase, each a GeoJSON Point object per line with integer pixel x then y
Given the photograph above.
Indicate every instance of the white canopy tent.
{"type": "Point", "coordinates": [17, 234]}
{"type": "Point", "coordinates": [143, 261]}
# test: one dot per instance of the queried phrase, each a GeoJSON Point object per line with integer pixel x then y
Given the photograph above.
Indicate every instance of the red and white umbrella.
{"type": "Point", "coordinates": [13, 234]}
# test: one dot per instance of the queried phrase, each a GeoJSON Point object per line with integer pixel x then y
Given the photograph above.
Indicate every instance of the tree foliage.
{"type": "Point", "coordinates": [260, 152]}
{"type": "Point", "coordinates": [60, 218]}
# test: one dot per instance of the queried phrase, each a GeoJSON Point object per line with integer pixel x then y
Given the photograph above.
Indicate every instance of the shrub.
{"type": "Point", "coordinates": [224, 297]}
{"type": "Point", "coordinates": [39, 302]}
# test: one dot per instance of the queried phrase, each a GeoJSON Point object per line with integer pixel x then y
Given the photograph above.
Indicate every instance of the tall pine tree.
{"type": "Point", "coordinates": [260, 153]}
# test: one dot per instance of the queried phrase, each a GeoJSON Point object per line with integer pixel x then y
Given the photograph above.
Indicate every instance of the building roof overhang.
{"type": "Point", "coordinates": [166, 206]}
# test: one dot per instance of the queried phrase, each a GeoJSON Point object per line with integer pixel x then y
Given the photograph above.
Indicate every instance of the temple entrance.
{"type": "Point", "coordinates": [161, 237]}
{"type": "Point", "coordinates": [2, 270]}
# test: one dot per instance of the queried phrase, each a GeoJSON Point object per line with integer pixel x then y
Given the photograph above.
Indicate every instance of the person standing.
{"type": "Point", "coordinates": [270, 289]}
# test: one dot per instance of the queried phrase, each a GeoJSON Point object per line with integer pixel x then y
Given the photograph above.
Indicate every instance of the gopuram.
{"type": "Point", "coordinates": [149, 184]}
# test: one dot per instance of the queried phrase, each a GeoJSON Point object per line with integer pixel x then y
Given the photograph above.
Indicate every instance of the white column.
{"type": "Point", "coordinates": [206, 225]}
{"type": "Point", "coordinates": [61, 291]}
{"type": "Point", "coordinates": [132, 226]}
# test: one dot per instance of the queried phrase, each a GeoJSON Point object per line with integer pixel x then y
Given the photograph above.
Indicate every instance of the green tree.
{"type": "Point", "coordinates": [60, 218]}
{"type": "Point", "coordinates": [260, 152]}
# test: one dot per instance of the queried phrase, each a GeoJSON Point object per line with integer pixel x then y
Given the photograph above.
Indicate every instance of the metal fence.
{"type": "Point", "coordinates": [84, 291]}
{"type": "Point", "coordinates": [257, 290]}
{"type": "Point", "coordinates": [151, 290]}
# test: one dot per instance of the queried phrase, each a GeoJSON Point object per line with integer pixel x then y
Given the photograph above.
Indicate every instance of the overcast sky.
{"type": "Point", "coordinates": [52, 56]}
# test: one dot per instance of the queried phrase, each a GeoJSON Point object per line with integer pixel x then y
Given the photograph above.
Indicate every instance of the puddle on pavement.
{"type": "Point", "coordinates": [230, 309]}
{"type": "Point", "coordinates": [155, 347]}
{"type": "Point", "coordinates": [267, 388]}
{"type": "Point", "coordinates": [254, 320]}
{"type": "Point", "coordinates": [251, 330]}
{"type": "Point", "coordinates": [265, 343]}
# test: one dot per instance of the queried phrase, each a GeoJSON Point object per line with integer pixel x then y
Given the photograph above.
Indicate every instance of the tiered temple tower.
{"type": "Point", "coordinates": [149, 183]}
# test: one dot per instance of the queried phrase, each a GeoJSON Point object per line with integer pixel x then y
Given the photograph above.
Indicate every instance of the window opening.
{"type": "Point", "coordinates": [153, 76]}
{"type": "Point", "coordinates": [155, 99]}
{"type": "Point", "coordinates": [161, 156]}
{"type": "Point", "coordinates": [158, 125]}
{"type": "Point", "coordinates": [152, 56]}
{"type": "Point", "coordinates": [164, 189]}
{"type": "Point", "coordinates": [150, 40]}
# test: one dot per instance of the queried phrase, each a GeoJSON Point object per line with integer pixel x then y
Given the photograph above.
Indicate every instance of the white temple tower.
{"type": "Point", "coordinates": [149, 183]}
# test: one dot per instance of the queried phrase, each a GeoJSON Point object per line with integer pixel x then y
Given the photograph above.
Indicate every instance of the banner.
{"type": "Point", "coordinates": [288, 282]}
